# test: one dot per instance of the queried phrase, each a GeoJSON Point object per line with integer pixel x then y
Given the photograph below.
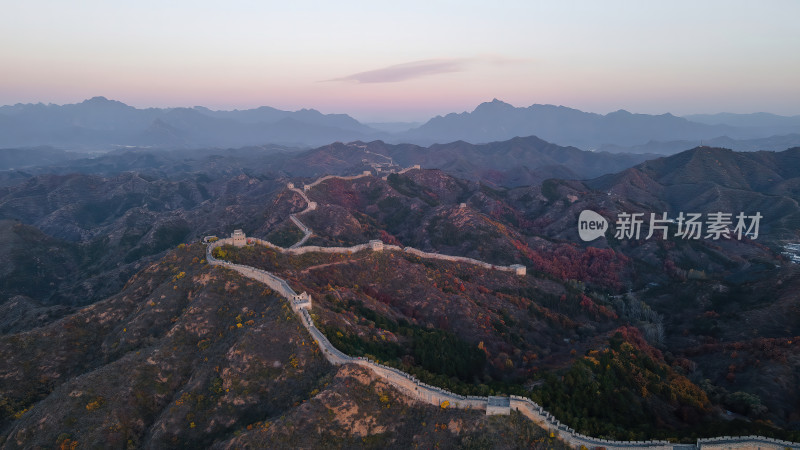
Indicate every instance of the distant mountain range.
{"type": "Point", "coordinates": [103, 124]}
{"type": "Point", "coordinates": [771, 143]}
{"type": "Point", "coordinates": [776, 124]}
{"type": "Point", "coordinates": [493, 120]}
{"type": "Point", "coordinates": [496, 120]}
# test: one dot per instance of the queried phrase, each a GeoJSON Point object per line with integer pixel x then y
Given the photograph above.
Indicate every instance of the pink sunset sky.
{"type": "Point", "coordinates": [381, 61]}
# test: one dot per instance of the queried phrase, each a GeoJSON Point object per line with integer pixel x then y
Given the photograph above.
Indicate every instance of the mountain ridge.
{"type": "Point", "coordinates": [100, 122]}
{"type": "Point", "coordinates": [495, 120]}
{"type": "Point", "coordinates": [514, 162]}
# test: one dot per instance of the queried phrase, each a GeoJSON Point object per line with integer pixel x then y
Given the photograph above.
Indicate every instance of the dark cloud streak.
{"type": "Point", "coordinates": [408, 71]}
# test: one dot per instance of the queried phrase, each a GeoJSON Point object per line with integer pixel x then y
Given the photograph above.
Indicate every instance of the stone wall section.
{"type": "Point", "coordinates": [745, 442]}
{"type": "Point", "coordinates": [308, 187]}
{"type": "Point", "coordinates": [461, 259]}
{"type": "Point", "coordinates": [306, 231]}
{"type": "Point", "coordinates": [416, 166]}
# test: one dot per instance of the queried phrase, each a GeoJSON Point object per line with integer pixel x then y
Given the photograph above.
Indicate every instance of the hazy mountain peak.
{"type": "Point", "coordinates": [494, 106]}
{"type": "Point", "coordinates": [96, 99]}
{"type": "Point", "coordinates": [311, 113]}
{"type": "Point", "coordinates": [620, 112]}
{"type": "Point", "coordinates": [101, 102]}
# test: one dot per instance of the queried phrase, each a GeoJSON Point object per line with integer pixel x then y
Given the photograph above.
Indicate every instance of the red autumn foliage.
{"type": "Point", "coordinates": [501, 211]}
{"type": "Point", "coordinates": [593, 265]}
{"type": "Point", "coordinates": [341, 192]}
{"type": "Point", "coordinates": [596, 310]}
{"type": "Point", "coordinates": [389, 239]}
{"type": "Point", "coordinates": [634, 337]}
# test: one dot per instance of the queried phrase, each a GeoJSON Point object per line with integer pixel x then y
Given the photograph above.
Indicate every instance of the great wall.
{"type": "Point", "coordinates": [410, 385]}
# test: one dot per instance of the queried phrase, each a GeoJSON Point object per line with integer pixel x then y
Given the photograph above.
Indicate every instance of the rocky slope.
{"type": "Point", "coordinates": [187, 355]}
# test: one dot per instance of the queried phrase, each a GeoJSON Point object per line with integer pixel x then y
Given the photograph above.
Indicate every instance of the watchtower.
{"type": "Point", "coordinates": [239, 239]}
{"type": "Point", "coordinates": [301, 301]}
{"type": "Point", "coordinates": [519, 269]}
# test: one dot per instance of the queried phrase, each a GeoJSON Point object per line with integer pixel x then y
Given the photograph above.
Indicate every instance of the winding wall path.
{"type": "Point", "coordinates": [411, 386]}
{"type": "Point", "coordinates": [299, 247]}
